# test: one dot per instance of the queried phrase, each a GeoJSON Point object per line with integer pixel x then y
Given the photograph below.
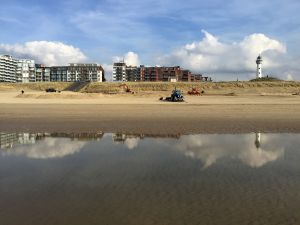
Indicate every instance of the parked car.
{"type": "Point", "coordinates": [50, 90]}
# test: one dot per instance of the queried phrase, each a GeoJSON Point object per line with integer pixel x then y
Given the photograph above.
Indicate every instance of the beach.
{"type": "Point", "coordinates": [143, 113]}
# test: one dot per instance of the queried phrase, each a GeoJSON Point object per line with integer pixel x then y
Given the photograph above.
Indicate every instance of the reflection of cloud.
{"type": "Point", "coordinates": [131, 143]}
{"type": "Point", "coordinates": [48, 148]}
{"type": "Point", "coordinates": [259, 157]}
{"type": "Point", "coordinates": [210, 148]}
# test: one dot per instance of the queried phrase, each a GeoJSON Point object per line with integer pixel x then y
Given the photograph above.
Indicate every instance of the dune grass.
{"type": "Point", "coordinates": [110, 87]}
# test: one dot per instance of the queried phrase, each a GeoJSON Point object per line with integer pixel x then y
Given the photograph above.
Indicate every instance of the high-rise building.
{"type": "Point", "coordinates": [122, 72]}
{"type": "Point", "coordinates": [132, 74]}
{"type": "Point", "coordinates": [8, 67]}
{"type": "Point", "coordinates": [25, 72]}
{"type": "Point", "coordinates": [42, 73]}
{"type": "Point", "coordinates": [59, 74]}
{"type": "Point", "coordinates": [86, 72]}
{"type": "Point", "coordinates": [77, 73]}
{"type": "Point", "coordinates": [161, 73]}
{"type": "Point", "coordinates": [119, 72]}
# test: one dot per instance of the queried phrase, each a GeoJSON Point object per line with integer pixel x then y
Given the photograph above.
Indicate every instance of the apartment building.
{"type": "Point", "coordinates": [25, 71]}
{"type": "Point", "coordinates": [59, 74]}
{"type": "Point", "coordinates": [86, 72]}
{"type": "Point", "coordinates": [77, 73]}
{"type": "Point", "coordinates": [158, 74]}
{"type": "Point", "coordinates": [42, 73]}
{"type": "Point", "coordinates": [8, 66]}
{"type": "Point", "coordinates": [132, 74]}
{"type": "Point", "coordinates": [122, 72]}
{"type": "Point", "coordinates": [119, 72]}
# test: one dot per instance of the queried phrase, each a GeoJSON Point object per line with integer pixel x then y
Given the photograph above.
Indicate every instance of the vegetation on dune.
{"type": "Point", "coordinates": [270, 79]}
{"type": "Point", "coordinates": [37, 86]}
{"type": "Point", "coordinates": [110, 87]}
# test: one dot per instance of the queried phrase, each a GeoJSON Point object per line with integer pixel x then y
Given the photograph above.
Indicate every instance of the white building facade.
{"type": "Point", "coordinates": [42, 73]}
{"type": "Point", "coordinates": [77, 73]}
{"type": "Point", "coordinates": [8, 66]}
{"type": "Point", "coordinates": [119, 72]}
{"type": "Point", "coordinates": [25, 72]}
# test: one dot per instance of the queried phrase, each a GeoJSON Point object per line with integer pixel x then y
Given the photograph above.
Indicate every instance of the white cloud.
{"type": "Point", "coordinates": [46, 52]}
{"type": "Point", "coordinates": [212, 56]}
{"type": "Point", "coordinates": [108, 68]}
{"type": "Point", "coordinates": [130, 58]}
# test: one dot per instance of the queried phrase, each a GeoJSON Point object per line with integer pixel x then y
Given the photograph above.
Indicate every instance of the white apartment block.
{"type": "Point", "coordinates": [119, 72]}
{"type": "Point", "coordinates": [8, 67]}
{"type": "Point", "coordinates": [77, 73]}
{"type": "Point", "coordinates": [25, 72]}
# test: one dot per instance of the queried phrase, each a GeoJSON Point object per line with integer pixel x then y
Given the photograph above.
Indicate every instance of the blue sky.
{"type": "Point", "coordinates": [154, 30]}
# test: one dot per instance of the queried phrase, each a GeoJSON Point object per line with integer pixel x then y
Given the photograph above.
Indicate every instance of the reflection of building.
{"type": "Point", "coordinates": [26, 138]}
{"type": "Point", "coordinates": [79, 136]}
{"type": "Point", "coordinates": [258, 140]}
{"type": "Point", "coordinates": [8, 140]}
{"type": "Point", "coordinates": [121, 138]}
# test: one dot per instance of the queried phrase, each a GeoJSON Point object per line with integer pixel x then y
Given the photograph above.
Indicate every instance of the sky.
{"type": "Point", "coordinates": [217, 38]}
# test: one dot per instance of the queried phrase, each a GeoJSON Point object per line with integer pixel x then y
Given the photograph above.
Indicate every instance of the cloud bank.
{"type": "Point", "coordinates": [46, 52]}
{"type": "Point", "coordinates": [211, 56]}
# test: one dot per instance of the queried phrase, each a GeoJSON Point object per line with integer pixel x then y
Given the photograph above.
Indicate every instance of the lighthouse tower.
{"type": "Point", "coordinates": [257, 140]}
{"type": "Point", "coordinates": [259, 67]}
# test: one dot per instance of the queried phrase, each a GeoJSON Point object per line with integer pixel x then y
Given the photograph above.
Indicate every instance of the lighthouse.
{"type": "Point", "coordinates": [259, 67]}
{"type": "Point", "coordinates": [257, 140]}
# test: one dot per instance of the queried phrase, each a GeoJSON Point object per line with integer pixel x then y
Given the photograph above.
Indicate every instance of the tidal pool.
{"type": "Point", "coordinates": [119, 179]}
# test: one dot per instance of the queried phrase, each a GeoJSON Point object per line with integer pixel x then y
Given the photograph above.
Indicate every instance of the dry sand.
{"type": "Point", "coordinates": [37, 111]}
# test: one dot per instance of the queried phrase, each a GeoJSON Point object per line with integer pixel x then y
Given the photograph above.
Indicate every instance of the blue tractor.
{"type": "Point", "coordinates": [176, 96]}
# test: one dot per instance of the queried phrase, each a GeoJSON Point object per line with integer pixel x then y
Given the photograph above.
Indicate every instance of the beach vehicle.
{"type": "Point", "coordinates": [176, 96]}
{"type": "Point", "coordinates": [194, 91]}
{"type": "Point", "coordinates": [50, 90]}
{"type": "Point", "coordinates": [125, 88]}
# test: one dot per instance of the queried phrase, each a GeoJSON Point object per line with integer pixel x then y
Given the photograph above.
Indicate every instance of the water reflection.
{"type": "Point", "coordinates": [44, 145]}
{"type": "Point", "coordinates": [206, 148]}
{"type": "Point", "coordinates": [147, 179]}
{"type": "Point", "coordinates": [211, 148]}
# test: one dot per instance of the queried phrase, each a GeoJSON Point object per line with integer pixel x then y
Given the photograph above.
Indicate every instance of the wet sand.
{"type": "Point", "coordinates": [144, 113]}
